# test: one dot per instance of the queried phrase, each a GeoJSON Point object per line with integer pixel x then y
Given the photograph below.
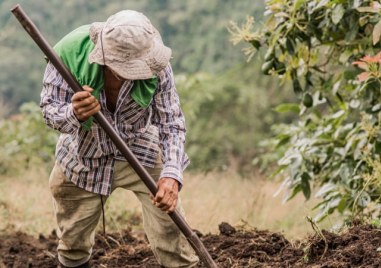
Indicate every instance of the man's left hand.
{"type": "Point", "coordinates": [167, 194]}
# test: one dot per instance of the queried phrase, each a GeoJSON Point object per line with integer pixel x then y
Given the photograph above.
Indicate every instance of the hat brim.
{"type": "Point", "coordinates": [144, 67]}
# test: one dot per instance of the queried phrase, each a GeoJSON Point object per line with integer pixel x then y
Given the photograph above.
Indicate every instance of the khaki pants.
{"type": "Point", "coordinates": [78, 211]}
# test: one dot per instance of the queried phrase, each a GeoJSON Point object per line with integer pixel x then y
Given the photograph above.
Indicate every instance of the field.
{"type": "Point", "coordinates": [357, 247]}
{"type": "Point", "coordinates": [208, 199]}
{"type": "Point", "coordinates": [232, 214]}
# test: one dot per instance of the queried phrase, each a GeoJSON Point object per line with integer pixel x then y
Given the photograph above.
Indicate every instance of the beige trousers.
{"type": "Point", "coordinates": [78, 211]}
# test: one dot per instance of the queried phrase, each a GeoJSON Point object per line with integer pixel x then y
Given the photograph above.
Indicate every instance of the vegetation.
{"type": "Point", "coordinates": [334, 146]}
{"type": "Point", "coordinates": [196, 32]}
{"type": "Point", "coordinates": [25, 141]}
{"type": "Point", "coordinates": [227, 107]}
{"type": "Point", "coordinates": [227, 116]}
{"type": "Point", "coordinates": [218, 110]}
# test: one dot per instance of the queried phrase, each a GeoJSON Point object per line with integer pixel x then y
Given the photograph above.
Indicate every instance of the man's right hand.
{"type": "Point", "coordinates": [85, 104]}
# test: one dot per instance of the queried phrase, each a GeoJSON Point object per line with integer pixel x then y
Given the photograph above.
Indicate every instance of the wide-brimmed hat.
{"type": "Point", "coordinates": [129, 45]}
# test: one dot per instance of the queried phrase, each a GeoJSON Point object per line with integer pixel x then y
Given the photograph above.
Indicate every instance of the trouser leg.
{"type": "Point", "coordinates": [77, 213]}
{"type": "Point", "coordinates": [168, 244]}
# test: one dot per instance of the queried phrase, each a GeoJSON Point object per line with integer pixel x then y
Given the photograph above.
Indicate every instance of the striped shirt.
{"type": "Point", "coordinates": [87, 157]}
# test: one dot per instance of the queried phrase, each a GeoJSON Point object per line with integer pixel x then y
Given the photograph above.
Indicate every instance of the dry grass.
{"type": "Point", "coordinates": [214, 198]}
{"type": "Point", "coordinates": [25, 204]}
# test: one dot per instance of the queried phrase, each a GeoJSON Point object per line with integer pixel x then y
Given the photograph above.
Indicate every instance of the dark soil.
{"type": "Point", "coordinates": [359, 246]}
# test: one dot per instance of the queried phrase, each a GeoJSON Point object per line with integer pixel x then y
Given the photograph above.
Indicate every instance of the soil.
{"type": "Point", "coordinates": [358, 246]}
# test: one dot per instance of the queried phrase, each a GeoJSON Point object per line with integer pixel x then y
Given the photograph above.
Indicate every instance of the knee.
{"type": "Point", "coordinates": [57, 180]}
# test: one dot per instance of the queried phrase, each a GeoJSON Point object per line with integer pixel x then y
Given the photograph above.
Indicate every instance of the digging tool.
{"type": "Point", "coordinates": [36, 35]}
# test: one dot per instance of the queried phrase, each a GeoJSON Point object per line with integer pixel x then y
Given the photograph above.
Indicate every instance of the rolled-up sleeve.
{"type": "Point", "coordinates": [169, 118]}
{"type": "Point", "coordinates": [56, 104]}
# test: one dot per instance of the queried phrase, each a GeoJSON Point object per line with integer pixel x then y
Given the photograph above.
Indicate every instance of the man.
{"type": "Point", "coordinates": [125, 72]}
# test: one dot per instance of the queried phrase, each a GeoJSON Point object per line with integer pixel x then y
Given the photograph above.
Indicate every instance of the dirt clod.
{"type": "Point", "coordinates": [359, 246]}
{"type": "Point", "coordinates": [226, 229]}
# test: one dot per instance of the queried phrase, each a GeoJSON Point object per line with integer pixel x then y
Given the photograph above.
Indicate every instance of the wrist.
{"type": "Point", "coordinates": [173, 181]}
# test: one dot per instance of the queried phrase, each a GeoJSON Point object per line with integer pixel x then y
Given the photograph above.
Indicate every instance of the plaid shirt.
{"type": "Point", "coordinates": [87, 157]}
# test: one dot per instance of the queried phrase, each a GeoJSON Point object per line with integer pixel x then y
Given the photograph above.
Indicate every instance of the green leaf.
{"type": "Point", "coordinates": [354, 104]}
{"type": "Point", "coordinates": [297, 87]}
{"type": "Point", "coordinates": [367, 10]}
{"type": "Point", "coordinates": [352, 20]}
{"type": "Point", "coordinates": [377, 147]}
{"type": "Point", "coordinates": [376, 33]}
{"type": "Point", "coordinates": [290, 45]}
{"type": "Point", "coordinates": [307, 100]}
{"type": "Point", "coordinates": [305, 185]}
{"type": "Point", "coordinates": [376, 108]}
{"type": "Point", "coordinates": [320, 205]}
{"type": "Point", "coordinates": [298, 4]}
{"type": "Point", "coordinates": [287, 107]}
{"type": "Point", "coordinates": [280, 67]}
{"type": "Point", "coordinates": [324, 212]}
{"type": "Point", "coordinates": [277, 171]}
{"type": "Point", "coordinates": [332, 204]}
{"type": "Point", "coordinates": [325, 189]}
{"type": "Point", "coordinates": [338, 114]}
{"type": "Point", "coordinates": [283, 141]}
{"type": "Point", "coordinates": [321, 4]}
{"type": "Point", "coordinates": [337, 13]}
{"type": "Point", "coordinates": [255, 43]}
{"type": "Point", "coordinates": [357, 3]}
{"type": "Point", "coordinates": [363, 200]}
{"type": "Point", "coordinates": [342, 205]}
{"type": "Point", "coordinates": [269, 55]}
{"type": "Point", "coordinates": [267, 66]}
{"type": "Point", "coordinates": [308, 78]}
{"type": "Point", "coordinates": [295, 191]}
{"type": "Point", "coordinates": [373, 84]}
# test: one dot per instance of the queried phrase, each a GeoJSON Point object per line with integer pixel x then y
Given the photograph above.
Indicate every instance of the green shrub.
{"type": "Point", "coordinates": [25, 140]}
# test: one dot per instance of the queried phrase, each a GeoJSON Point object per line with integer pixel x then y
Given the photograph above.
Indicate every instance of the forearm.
{"type": "Point", "coordinates": [170, 120]}
{"type": "Point", "coordinates": [173, 153]}
{"type": "Point", "coordinates": [58, 114]}
{"type": "Point", "coordinates": [56, 104]}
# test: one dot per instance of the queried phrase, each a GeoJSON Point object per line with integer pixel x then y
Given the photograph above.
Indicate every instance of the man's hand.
{"type": "Point", "coordinates": [85, 104]}
{"type": "Point", "coordinates": [167, 194]}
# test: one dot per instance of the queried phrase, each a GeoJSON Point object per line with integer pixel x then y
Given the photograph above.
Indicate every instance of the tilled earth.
{"type": "Point", "coordinates": [359, 246]}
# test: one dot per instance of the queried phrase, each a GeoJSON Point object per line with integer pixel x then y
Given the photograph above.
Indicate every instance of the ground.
{"type": "Point", "coordinates": [358, 246]}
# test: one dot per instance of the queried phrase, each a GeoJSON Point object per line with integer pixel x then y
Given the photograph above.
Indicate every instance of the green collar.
{"type": "Point", "coordinates": [74, 49]}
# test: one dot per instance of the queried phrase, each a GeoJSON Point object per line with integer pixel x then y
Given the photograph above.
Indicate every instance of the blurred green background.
{"type": "Point", "coordinates": [227, 101]}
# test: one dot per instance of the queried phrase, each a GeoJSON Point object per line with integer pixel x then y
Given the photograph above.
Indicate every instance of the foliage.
{"type": "Point", "coordinates": [335, 144]}
{"type": "Point", "coordinates": [217, 111]}
{"type": "Point", "coordinates": [196, 32]}
{"type": "Point", "coordinates": [25, 140]}
{"type": "Point", "coordinates": [228, 115]}
{"type": "Point", "coordinates": [227, 107]}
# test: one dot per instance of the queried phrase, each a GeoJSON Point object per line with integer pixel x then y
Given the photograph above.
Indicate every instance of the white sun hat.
{"type": "Point", "coordinates": [129, 45]}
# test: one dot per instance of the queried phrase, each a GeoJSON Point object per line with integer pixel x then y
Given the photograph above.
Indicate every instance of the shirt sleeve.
{"type": "Point", "coordinates": [56, 104]}
{"type": "Point", "coordinates": [169, 118]}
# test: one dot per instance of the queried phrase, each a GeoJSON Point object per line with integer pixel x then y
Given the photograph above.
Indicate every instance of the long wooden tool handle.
{"type": "Point", "coordinates": [33, 31]}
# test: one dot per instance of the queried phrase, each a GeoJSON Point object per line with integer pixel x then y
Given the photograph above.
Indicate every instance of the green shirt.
{"type": "Point", "coordinates": [74, 50]}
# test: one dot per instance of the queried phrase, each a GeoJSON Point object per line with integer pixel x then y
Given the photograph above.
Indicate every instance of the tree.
{"type": "Point", "coordinates": [228, 115]}
{"type": "Point", "coordinates": [335, 144]}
